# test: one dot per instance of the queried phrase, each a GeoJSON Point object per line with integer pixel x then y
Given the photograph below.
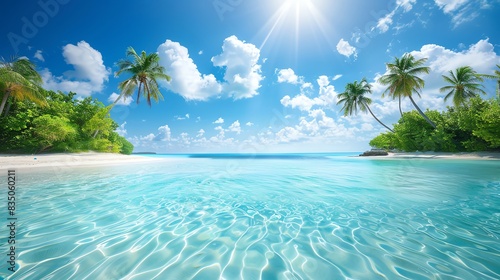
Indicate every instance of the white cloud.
{"type": "Point", "coordinates": [249, 124]}
{"type": "Point", "coordinates": [201, 132]}
{"type": "Point", "coordinates": [219, 121]}
{"type": "Point", "coordinates": [235, 127]}
{"type": "Point", "coordinates": [182, 118]}
{"type": "Point", "coordinates": [327, 97]}
{"type": "Point", "coordinates": [121, 130]}
{"type": "Point", "coordinates": [462, 11]}
{"type": "Point", "coordinates": [186, 79]}
{"type": "Point", "coordinates": [481, 56]}
{"type": "Point", "coordinates": [407, 5]}
{"type": "Point", "coordinates": [289, 134]}
{"type": "Point", "coordinates": [336, 77]}
{"type": "Point", "coordinates": [449, 6]}
{"type": "Point", "coordinates": [149, 137]}
{"type": "Point", "coordinates": [384, 23]}
{"type": "Point", "coordinates": [221, 131]}
{"type": "Point", "coordinates": [200, 52]}
{"type": "Point", "coordinates": [38, 55]}
{"type": "Point", "coordinates": [243, 73]}
{"type": "Point", "coordinates": [88, 76]}
{"type": "Point", "coordinates": [164, 133]}
{"type": "Point", "coordinates": [124, 101]}
{"type": "Point", "coordinates": [287, 76]}
{"type": "Point", "coordinates": [344, 48]}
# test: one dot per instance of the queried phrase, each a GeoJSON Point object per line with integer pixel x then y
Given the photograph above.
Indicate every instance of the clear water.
{"type": "Point", "coordinates": [274, 217]}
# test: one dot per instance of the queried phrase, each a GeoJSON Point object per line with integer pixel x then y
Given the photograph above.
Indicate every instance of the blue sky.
{"type": "Point", "coordinates": [251, 76]}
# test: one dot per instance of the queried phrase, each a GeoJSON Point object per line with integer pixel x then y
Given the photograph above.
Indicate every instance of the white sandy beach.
{"type": "Point", "coordinates": [99, 159]}
{"type": "Point", "coordinates": [69, 160]}
{"type": "Point", "coordinates": [434, 155]}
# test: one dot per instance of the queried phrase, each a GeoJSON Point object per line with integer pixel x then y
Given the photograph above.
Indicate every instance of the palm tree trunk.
{"type": "Point", "coordinates": [4, 100]}
{"type": "Point", "coordinates": [7, 109]}
{"type": "Point", "coordinates": [422, 113]}
{"type": "Point", "coordinates": [369, 110]}
{"type": "Point", "coordinates": [95, 134]}
{"type": "Point", "coordinates": [400, 111]}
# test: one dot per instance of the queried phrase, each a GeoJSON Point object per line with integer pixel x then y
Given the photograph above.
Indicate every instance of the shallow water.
{"type": "Point", "coordinates": [275, 217]}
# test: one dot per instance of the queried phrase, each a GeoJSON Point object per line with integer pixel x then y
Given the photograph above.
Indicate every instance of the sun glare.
{"type": "Point", "coordinates": [299, 18]}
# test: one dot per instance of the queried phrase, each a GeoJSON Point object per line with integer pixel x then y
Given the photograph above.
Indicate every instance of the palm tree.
{"type": "Point", "coordinates": [402, 80]}
{"type": "Point", "coordinates": [494, 77]}
{"type": "Point", "coordinates": [464, 84]}
{"type": "Point", "coordinates": [20, 80]}
{"type": "Point", "coordinates": [145, 70]}
{"type": "Point", "coordinates": [354, 98]}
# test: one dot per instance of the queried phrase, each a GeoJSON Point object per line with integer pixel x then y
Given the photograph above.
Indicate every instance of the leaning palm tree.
{"type": "Point", "coordinates": [20, 80]}
{"type": "Point", "coordinates": [403, 80]}
{"type": "Point", "coordinates": [146, 71]}
{"type": "Point", "coordinates": [464, 84]}
{"type": "Point", "coordinates": [354, 98]}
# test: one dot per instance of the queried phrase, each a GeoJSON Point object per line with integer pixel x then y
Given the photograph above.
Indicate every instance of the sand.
{"type": "Point", "coordinates": [70, 160]}
{"type": "Point", "coordinates": [434, 155]}
{"type": "Point", "coordinates": [99, 159]}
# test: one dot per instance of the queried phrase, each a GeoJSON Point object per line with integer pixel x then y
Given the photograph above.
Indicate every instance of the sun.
{"type": "Point", "coordinates": [298, 19]}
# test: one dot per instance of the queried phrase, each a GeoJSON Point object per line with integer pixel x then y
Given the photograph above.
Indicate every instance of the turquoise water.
{"type": "Point", "coordinates": [322, 216]}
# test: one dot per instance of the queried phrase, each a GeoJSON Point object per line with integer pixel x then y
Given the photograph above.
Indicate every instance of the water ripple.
{"type": "Point", "coordinates": [285, 222]}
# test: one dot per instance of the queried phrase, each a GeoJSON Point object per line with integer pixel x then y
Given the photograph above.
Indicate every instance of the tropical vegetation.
{"type": "Point", "coordinates": [19, 81]}
{"type": "Point", "coordinates": [65, 124]}
{"type": "Point", "coordinates": [354, 98]}
{"type": "Point", "coordinates": [402, 80]}
{"type": "Point", "coordinates": [145, 71]}
{"type": "Point", "coordinates": [464, 84]}
{"type": "Point", "coordinates": [471, 124]}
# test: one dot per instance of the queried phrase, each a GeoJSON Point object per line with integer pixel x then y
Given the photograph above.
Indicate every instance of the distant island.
{"type": "Point", "coordinates": [144, 153]}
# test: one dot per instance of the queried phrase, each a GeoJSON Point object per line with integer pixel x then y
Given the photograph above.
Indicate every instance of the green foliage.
{"type": "Point", "coordinates": [100, 123]}
{"type": "Point", "coordinates": [127, 147]}
{"type": "Point", "coordinates": [386, 141]}
{"type": "Point", "coordinates": [145, 71]}
{"type": "Point", "coordinates": [52, 129]}
{"type": "Point", "coordinates": [473, 126]}
{"type": "Point", "coordinates": [65, 125]}
{"type": "Point", "coordinates": [488, 125]}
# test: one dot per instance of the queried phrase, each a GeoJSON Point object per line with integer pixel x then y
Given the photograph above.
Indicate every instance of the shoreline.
{"type": "Point", "coordinates": [11, 161]}
{"type": "Point", "coordinates": [438, 155]}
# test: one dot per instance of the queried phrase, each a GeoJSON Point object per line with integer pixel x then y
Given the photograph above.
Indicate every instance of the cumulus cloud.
{"type": "Point", "coordinates": [164, 133]}
{"type": "Point", "coordinates": [124, 101]}
{"type": "Point", "coordinates": [287, 76]}
{"type": "Point", "coordinates": [344, 48]}
{"type": "Point", "coordinates": [242, 71]}
{"type": "Point", "coordinates": [289, 134]}
{"type": "Point", "coordinates": [187, 81]}
{"type": "Point", "coordinates": [481, 56]}
{"type": "Point", "coordinates": [219, 121]}
{"type": "Point", "coordinates": [249, 124]}
{"type": "Point", "coordinates": [38, 55]}
{"type": "Point", "coordinates": [235, 127]}
{"type": "Point", "coordinates": [239, 59]}
{"type": "Point", "coordinates": [327, 97]}
{"type": "Point", "coordinates": [88, 76]}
